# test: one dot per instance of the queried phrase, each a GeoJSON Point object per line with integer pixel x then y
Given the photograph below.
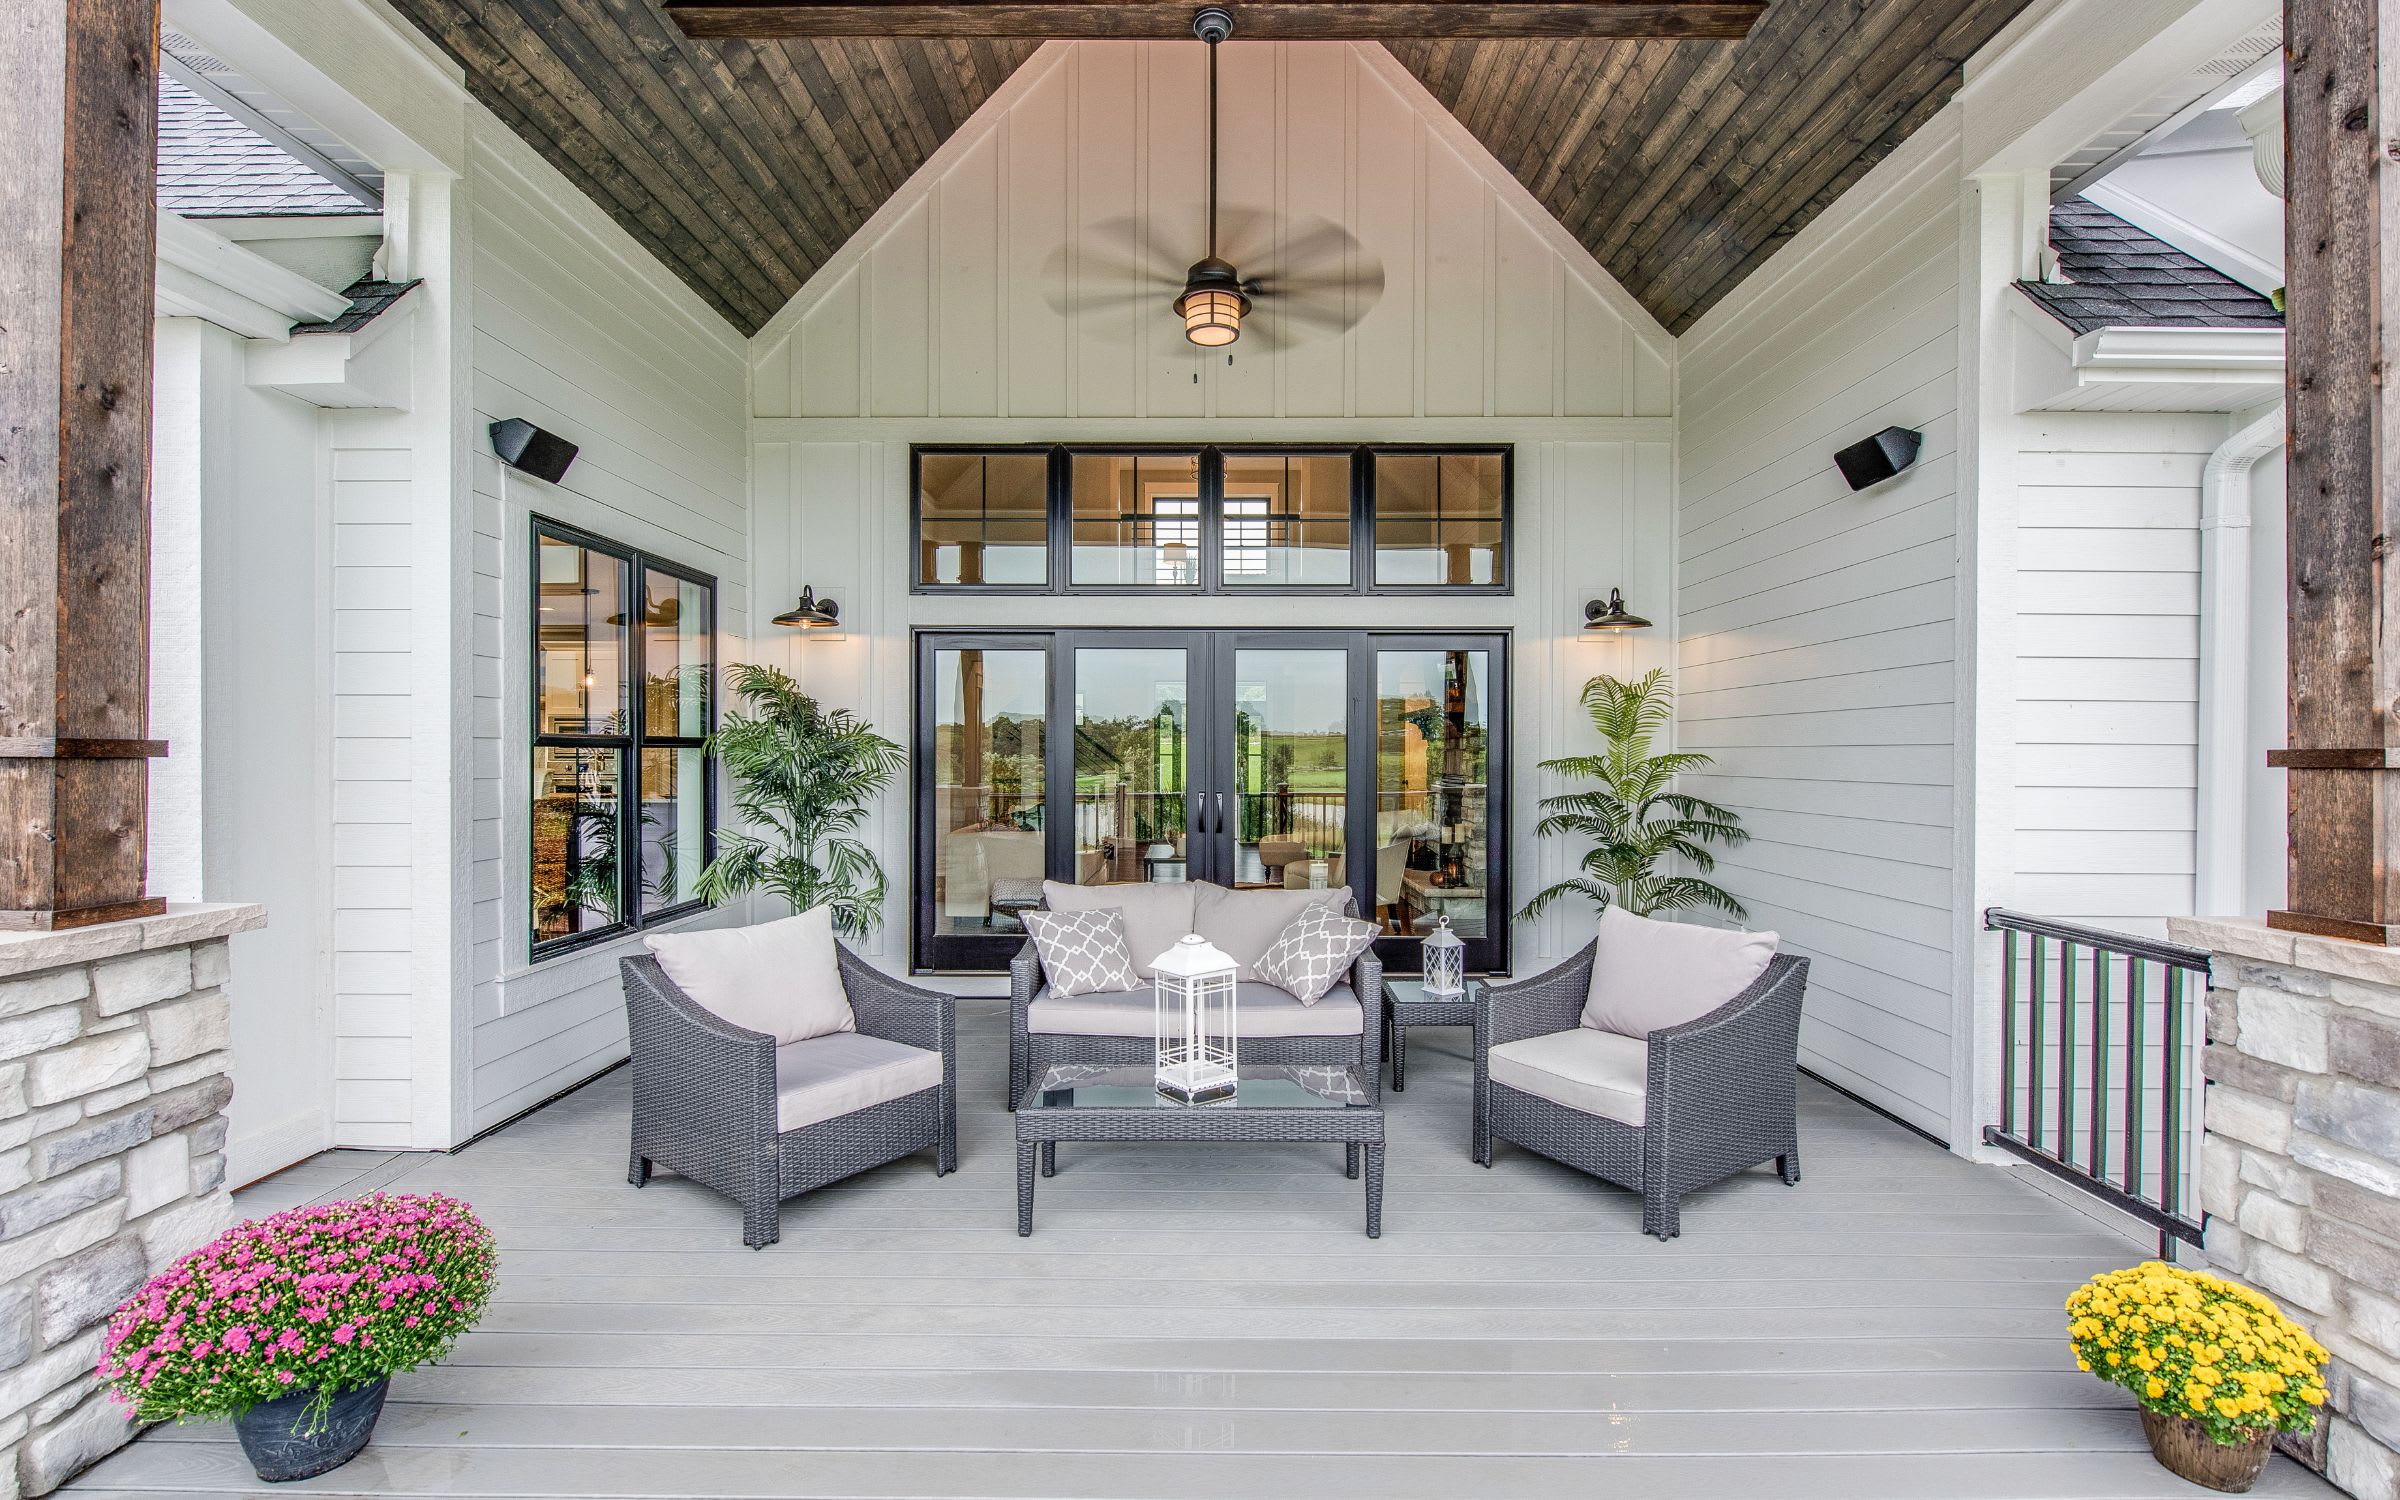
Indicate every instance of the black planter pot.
{"type": "Point", "coordinates": [284, 1442]}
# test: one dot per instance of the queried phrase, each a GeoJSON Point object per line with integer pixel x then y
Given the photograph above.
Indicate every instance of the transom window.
{"type": "Point", "coordinates": [624, 684]}
{"type": "Point", "coordinates": [1393, 519]}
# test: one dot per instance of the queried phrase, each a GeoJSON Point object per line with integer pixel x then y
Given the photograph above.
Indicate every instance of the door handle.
{"type": "Point", "coordinates": [1219, 799]}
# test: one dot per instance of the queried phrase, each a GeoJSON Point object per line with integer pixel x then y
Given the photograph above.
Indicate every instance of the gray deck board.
{"type": "Point", "coordinates": [1189, 1321]}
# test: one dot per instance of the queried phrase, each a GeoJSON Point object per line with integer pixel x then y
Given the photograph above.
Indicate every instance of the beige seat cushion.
{"type": "Point", "coordinates": [1157, 916]}
{"type": "Point", "coordinates": [1261, 1010]}
{"type": "Point", "coordinates": [1650, 975]}
{"type": "Point", "coordinates": [780, 977]}
{"type": "Point", "coordinates": [828, 1077]}
{"type": "Point", "coordinates": [1590, 1072]}
{"type": "Point", "coordinates": [1245, 924]}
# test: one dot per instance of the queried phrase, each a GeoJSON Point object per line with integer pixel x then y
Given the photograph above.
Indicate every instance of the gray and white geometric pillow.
{"type": "Point", "coordinates": [1314, 952]}
{"type": "Point", "coordinates": [1083, 952]}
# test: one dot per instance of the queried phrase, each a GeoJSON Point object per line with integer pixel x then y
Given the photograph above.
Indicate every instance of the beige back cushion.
{"type": "Point", "coordinates": [778, 977]}
{"type": "Point", "coordinates": [1245, 924]}
{"type": "Point", "coordinates": [1651, 975]}
{"type": "Point", "coordinates": [1157, 916]}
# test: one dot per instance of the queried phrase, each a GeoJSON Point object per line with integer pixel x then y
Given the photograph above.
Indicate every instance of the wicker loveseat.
{"type": "Point", "coordinates": [1688, 1106]}
{"type": "Point", "coordinates": [1344, 1028]}
{"type": "Point", "coordinates": [712, 1100]}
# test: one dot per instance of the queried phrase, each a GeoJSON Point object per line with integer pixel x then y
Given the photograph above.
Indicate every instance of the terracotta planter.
{"type": "Point", "coordinates": [2184, 1447]}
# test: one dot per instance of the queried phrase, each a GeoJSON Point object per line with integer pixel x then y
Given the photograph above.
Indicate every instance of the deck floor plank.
{"type": "Point", "coordinates": [1197, 1321]}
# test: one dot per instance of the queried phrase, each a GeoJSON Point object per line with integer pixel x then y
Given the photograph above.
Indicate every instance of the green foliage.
{"type": "Point", "coordinates": [805, 778]}
{"type": "Point", "coordinates": [1632, 815]}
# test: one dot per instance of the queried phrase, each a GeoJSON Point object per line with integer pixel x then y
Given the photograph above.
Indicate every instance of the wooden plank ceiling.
{"type": "Point", "coordinates": [743, 165]}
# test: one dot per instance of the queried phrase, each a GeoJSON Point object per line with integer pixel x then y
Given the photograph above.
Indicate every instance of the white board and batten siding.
{"type": "Point", "coordinates": [578, 330]}
{"type": "Point", "coordinates": [1818, 642]}
{"type": "Point", "coordinates": [989, 302]}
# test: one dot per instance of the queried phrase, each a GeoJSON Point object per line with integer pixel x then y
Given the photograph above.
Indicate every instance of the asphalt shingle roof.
{"type": "Point", "coordinates": [368, 300]}
{"type": "Point", "coordinates": [2119, 277]}
{"type": "Point", "coordinates": [211, 165]}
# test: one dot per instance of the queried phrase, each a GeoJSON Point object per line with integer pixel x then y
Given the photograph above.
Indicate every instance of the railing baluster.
{"type": "Point", "coordinates": [2033, 1051]}
{"type": "Point", "coordinates": [2170, 1149]}
{"type": "Point", "coordinates": [2008, 1031]}
{"type": "Point", "coordinates": [2066, 1052]}
{"type": "Point", "coordinates": [2100, 1019]}
{"type": "Point", "coordinates": [2135, 1113]}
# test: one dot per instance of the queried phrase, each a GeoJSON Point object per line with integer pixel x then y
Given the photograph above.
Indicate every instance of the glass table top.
{"type": "Point", "coordinates": [1410, 990]}
{"type": "Point", "coordinates": [1112, 1086]}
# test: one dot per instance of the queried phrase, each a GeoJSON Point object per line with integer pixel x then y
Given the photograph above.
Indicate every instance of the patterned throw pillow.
{"type": "Point", "coordinates": [1083, 952]}
{"type": "Point", "coordinates": [1314, 952]}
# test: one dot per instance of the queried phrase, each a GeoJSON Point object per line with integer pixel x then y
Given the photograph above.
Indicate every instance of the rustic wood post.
{"type": "Point", "coordinates": [78, 234]}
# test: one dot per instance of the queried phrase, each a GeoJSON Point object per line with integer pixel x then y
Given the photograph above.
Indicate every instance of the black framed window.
{"type": "Point", "coordinates": [1232, 519]}
{"type": "Point", "coordinates": [624, 697]}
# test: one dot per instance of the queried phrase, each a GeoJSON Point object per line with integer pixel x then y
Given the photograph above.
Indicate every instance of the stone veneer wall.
{"type": "Point", "coordinates": [2300, 1169]}
{"type": "Point", "coordinates": [113, 1083]}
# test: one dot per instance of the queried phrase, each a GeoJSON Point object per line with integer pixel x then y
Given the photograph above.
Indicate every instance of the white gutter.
{"type": "Point", "coordinates": [2221, 845]}
{"type": "Point", "coordinates": [2177, 353]}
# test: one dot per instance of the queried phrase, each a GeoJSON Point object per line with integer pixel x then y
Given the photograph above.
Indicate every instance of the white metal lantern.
{"type": "Point", "coordinates": [1445, 962]}
{"type": "Point", "coordinates": [1197, 1048]}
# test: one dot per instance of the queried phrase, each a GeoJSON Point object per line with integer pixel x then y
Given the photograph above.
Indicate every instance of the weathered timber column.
{"type": "Point", "coordinates": [77, 266]}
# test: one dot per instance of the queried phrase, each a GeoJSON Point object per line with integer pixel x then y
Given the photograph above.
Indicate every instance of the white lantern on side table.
{"type": "Point", "coordinates": [1197, 1048]}
{"type": "Point", "coordinates": [1445, 962]}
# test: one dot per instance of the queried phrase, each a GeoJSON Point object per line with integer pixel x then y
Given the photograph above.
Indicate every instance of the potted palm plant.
{"type": "Point", "coordinates": [1632, 813]}
{"type": "Point", "coordinates": [804, 779]}
{"type": "Point", "coordinates": [293, 1326]}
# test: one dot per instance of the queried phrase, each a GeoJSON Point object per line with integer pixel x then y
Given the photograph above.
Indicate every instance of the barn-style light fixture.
{"type": "Point", "coordinates": [1612, 615]}
{"type": "Point", "coordinates": [811, 612]}
{"type": "Point", "coordinates": [1214, 299]}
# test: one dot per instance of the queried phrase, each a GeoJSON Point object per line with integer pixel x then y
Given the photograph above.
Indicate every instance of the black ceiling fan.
{"type": "Point", "coordinates": [1318, 280]}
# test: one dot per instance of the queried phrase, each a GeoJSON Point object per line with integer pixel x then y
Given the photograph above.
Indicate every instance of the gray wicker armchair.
{"type": "Point", "coordinates": [1032, 1053]}
{"type": "Point", "coordinates": [1717, 1097]}
{"type": "Point", "coordinates": [705, 1101]}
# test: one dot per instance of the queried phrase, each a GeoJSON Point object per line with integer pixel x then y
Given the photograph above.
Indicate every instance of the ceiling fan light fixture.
{"type": "Point", "coordinates": [1213, 304]}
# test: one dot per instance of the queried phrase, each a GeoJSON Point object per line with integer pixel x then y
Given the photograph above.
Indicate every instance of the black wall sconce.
{"type": "Point", "coordinates": [1611, 615]}
{"type": "Point", "coordinates": [811, 612]}
{"type": "Point", "coordinates": [1876, 459]}
{"type": "Point", "coordinates": [523, 446]}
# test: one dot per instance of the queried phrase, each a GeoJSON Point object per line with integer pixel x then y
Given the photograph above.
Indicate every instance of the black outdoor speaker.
{"type": "Point", "coordinates": [521, 445]}
{"type": "Point", "coordinates": [1873, 460]}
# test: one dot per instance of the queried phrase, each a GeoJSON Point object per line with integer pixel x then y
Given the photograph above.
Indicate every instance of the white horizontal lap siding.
{"type": "Point", "coordinates": [1817, 645]}
{"type": "Point", "coordinates": [2107, 670]}
{"type": "Point", "coordinates": [373, 900]}
{"type": "Point", "coordinates": [580, 332]}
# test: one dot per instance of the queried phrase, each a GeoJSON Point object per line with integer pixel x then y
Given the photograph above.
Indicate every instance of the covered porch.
{"type": "Point", "coordinates": [1208, 1321]}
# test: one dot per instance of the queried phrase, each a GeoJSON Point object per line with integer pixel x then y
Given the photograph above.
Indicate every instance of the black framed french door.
{"type": "Point", "coordinates": [1368, 761]}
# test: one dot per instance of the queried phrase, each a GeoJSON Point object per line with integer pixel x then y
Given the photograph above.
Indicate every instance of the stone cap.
{"type": "Point", "coordinates": [2252, 938]}
{"type": "Point", "coordinates": [184, 922]}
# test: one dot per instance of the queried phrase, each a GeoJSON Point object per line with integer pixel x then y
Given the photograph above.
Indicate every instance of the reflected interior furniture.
{"type": "Point", "coordinates": [1275, 1028]}
{"type": "Point", "coordinates": [1296, 874]}
{"type": "Point", "coordinates": [1691, 1105]}
{"type": "Point", "coordinates": [728, 1108]}
{"type": "Point", "coordinates": [987, 872]}
{"type": "Point", "coordinates": [1275, 854]}
{"type": "Point", "coordinates": [1422, 902]}
{"type": "Point", "coordinates": [1405, 1005]}
{"type": "Point", "coordinates": [1083, 1102]}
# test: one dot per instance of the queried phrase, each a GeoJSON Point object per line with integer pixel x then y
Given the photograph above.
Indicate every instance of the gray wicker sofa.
{"type": "Point", "coordinates": [1715, 1096]}
{"type": "Point", "coordinates": [1344, 1028]}
{"type": "Point", "coordinates": [706, 1101]}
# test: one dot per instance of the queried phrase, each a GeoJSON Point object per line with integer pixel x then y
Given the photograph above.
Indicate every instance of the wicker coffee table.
{"type": "Point", "coordinates": [1405, 1005]}
{"type": "Point", "coordinates": [1102, 1102]}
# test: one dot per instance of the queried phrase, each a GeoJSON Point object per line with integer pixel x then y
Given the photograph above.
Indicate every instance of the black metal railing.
{"type": "Point", "coordinates": [2095, 1088]}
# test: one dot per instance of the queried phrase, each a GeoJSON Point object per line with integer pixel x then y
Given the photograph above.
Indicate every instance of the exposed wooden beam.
{"type": "Point", "coordinates": [1254, 20]}
{"type": "Point", "coordinates": [81, 119]}
{"type": "Point", "coordinates": [2343, 215]}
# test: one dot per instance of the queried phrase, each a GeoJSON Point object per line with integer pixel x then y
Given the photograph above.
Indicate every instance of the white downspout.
{"type": "Point", "coordinates": [2220, 850]}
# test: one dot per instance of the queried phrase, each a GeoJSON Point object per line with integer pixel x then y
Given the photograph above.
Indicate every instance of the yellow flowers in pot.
{"type": "Point", "coordinates": [2191, 1346]}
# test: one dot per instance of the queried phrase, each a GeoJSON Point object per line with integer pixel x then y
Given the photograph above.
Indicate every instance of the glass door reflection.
{"type": "Point", "coordinates": [1132, 764]}
{"type": "Point", "coordinates": [1290, 741]}
{"type": "Point", "coordinates": [1433, 791]}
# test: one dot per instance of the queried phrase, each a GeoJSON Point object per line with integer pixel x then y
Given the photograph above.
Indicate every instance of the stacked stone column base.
{"type": "Point", "coordinates": [2300, 1168]}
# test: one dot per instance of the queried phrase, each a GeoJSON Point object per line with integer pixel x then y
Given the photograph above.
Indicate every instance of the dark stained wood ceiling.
{"type": "Point", "coordinates": [744, 165]}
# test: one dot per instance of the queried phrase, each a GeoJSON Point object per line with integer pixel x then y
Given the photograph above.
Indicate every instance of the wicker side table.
{"type": "Point", "coordinates": [1100, 1102]}
{"type": "Point", "coordinates": [1405, 1005]}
